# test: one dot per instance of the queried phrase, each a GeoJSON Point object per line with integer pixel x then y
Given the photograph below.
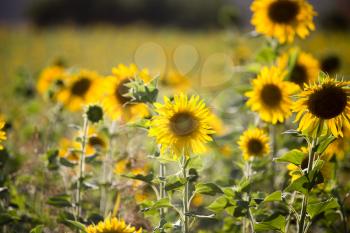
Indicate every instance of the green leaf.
{"type": "Point", "coordinates": [37, 229]}
{"type": "Point", "coordinates": [210, 189]}
{"type": "Point", "coordinates": [147, 178]}
{"type": "Point", "coordinates": [52, 158]}
{"type": "Point", "coordinates": [76, 225]}
{"type": "Point", "coordinates": [174, 182]}
{"type": "Point", "coordinates": [301, 185]}
{"type": "Point", "coordinates": [162, 203]}
{"type": "Point", "coordinates": [6, 218]}
{"type": "Point", "coordinates": [275, 196]}
{"type": "Point", "coordinates": [62, 200]}
{"type": "Point", "coordinates": [65, 162]}
{"type": "Point", "coordinates": [276, 224]}
{"type": "Point", "coordinates": [324, 143]}
{"type": "Point", "coordinates": [293, 156]}
{"type": "Point", "coordinates": [317, 208]}
{"type": "Point", "coordinates": [219, 204]}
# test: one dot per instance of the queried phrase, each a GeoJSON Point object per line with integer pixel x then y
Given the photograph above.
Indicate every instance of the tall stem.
{"type": "Point", "coordinates": [162, 193]}
{"type": "Point", "coordinates": [273, 154]}
{"type": "Point", "coordinates": [250, 215]}
{"type": "Point", "coordinates": [306, 196]}
{"type": "Point", "coordinates": [290, 211]}
{"type": "Point", "coordinates": [81, 168]}
{"type": "Point", "coordinates": [106, 177]}
{"type": "Point", "coordinates": [185, 196]}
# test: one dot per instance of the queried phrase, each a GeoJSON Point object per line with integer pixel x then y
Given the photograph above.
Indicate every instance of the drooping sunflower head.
{"type": "Point", "coordinates": [182, 125]}
{"type": "Point", "coordinates": [51, 79]}
{"type": "Point", "coordinates": [112, 225]}
{"type": "Point", "coordinates": [325, 103]}
{"type": "Point", "coordinates": [254, 143]}
{"type": "Point", "coordinates": [116, 102]}
{"type": "Point", "coordinates": [80, 90]}
{"type": "Point", "coordinates": [270, 96]}
{"type": "Point", "coordinates": [2, 133]}
{"type": "Point", "coordinates": [283, 19]}
{"type": "Point", "coordinates": [305, 69]}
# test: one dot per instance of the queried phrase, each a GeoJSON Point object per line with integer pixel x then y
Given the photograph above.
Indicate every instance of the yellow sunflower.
{"type": "Point", "coordinates": [70, 149]}
{"type": "Point", "coordinates": [112, 225]}
{"type": "Point", "coordinates": [254, 143]}
{"type": "Point", "coordinates": [115, 103]}
{"type": "Point", "coordinates": [326, 103]}
{"type": "Point", "coordinates": [2, 134]}
{"type": "Point", "coordinates": [182, 125]}
{"type": "Point", "coordinates": [176, 81]}
{"type": "Point", "coordinates": [50, 78]}
{"type": "Point", "coordinates": [270, 96]}
{"type": "Point", "coordinates": [339, 146]}
{"type": "Point", "coordinates": [297, 171]}
{"type": "Point", "coordinates": [305, 69]}
{"type": "Point", "coordinates": [80, 90]}
{"type": "Point", "coordinates": [283, 19]}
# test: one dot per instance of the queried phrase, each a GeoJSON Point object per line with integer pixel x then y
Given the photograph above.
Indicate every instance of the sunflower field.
{"type": "Point", "coordinates": [134, 129]}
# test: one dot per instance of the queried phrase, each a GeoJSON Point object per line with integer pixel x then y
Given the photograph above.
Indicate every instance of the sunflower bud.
{"type": "Point", "coordinates": [94, 113]}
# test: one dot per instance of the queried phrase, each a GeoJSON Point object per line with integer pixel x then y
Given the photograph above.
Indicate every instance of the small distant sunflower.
{"type": "Point", "coordinates": [116, 104]}
{"type": "Point", "coordinates": [324, 103]}
{"type": "Point", "coordinates": [2, 134]}
{"type": "Point", "coordinates": [270, 96]}
{"type": "Point", "coordinates": [80, 90]}
{"type": "Point", "coordinates": [283, 19]}
{"type": "Point", "coordinates": [254, 143]}
{"type": "Point", "coordinates": [297, 171]}
{"type": "Point", "coordinates": [176, 81]}
{"type": "Point", "coordinates": [182, 125]}
{"type": "Point", "coordinates": [50, 78]}
{"type": "Point", "coordinates": [305, 69]}
{"type": "Point", "coordinates": [112, 225]}
{"type": "Point", "coordinates": [70, 149]}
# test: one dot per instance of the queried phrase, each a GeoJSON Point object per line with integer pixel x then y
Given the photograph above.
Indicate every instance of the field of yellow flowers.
{"type": "Point", "coordinates": [133, 129]}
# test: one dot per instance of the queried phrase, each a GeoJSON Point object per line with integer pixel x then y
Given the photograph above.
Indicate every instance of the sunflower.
{"type": "Point", "coordinates": [176, 81]}
{"type": "Point", "coordinates": [79, 90]}
{"type": "Point", "coordinates": [325, 103]}
{"type": "Point", "coordinates": [182, 125]}
{"type": "Point", "coordinates": [254, 143]}
{"type": "Point", "coordinates": [50, 78]}
{"type": "Point", "coordinates": [305, 69]}
{"type": "Point", "coordinates": [296, 171]}
{"type": "Point", "coordinates": [112, 225]}
{"type": "Point", "coordinates": [70, 149]}
{"type": "Point", "coordinates": [339, 146]}
{"type": "Point", "coordinates": [2, 133]}
{"type": "Point", "coordinates": [270, 96]}
{"type": "Point", "coordinates": [283, 19]}
{"type": "Point", "coordinates": [115, 103]}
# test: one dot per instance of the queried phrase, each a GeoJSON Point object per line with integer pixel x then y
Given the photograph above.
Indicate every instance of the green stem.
{"type": "Point", "coordinates": [162, 193]}
{"type": "Point", "coordinates": [106, 177]}
{"type": "Point", "coordinates": [301, 227]}
{"type": "Point", "coordinates": [273, 154]}
{"type": "Point", "coordinates": [290, 211]}
{"type": "Point", "coordinates": [81, 168]}
{"type": "Point", "coordinates": [185, 196]}
{"type": "Point", "coordinates": [250, 215]}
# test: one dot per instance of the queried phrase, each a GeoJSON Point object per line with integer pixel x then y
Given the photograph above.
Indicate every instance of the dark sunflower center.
{"type": "Point", "coordinates": [330, 64]}
{"type": "Point", "coordinates": [121, 90]}
{"type": "Point", "coordinates": [96, 141]}
{"type": "Point", "coordinates": [271, 95]}
{"type": "Point", "coordinates": [183, 124]}
{"type": "Point", "coordinates": [255, 147]}
{"type": "Point", "coordinates": [299, 75]}
{"type": "Point", "coordinates": [81, 86]}
{"type": "Point", "coordinates": [328, 102]}
{"type": "Point", "coordinates": [283, 11]}
{"type": "Point", "coordinates": [305, 163]}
